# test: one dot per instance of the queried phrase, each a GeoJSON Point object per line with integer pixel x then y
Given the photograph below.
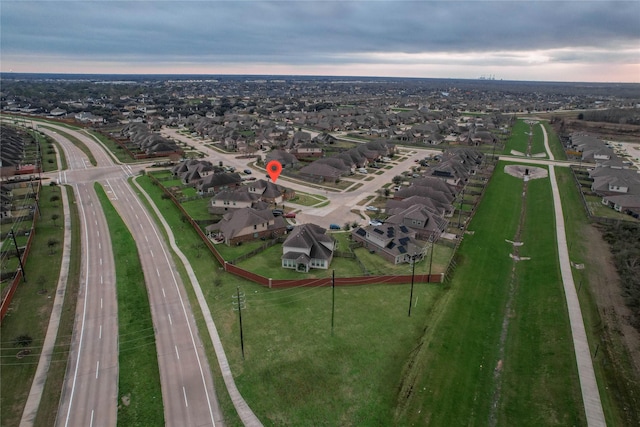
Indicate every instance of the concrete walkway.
{"type": "Point", "coordinates": [245, 413]}
{"type": "Point", "coordinates": [588, 384]}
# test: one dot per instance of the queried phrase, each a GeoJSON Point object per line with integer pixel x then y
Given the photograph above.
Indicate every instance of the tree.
{"type": "Point", "coordinates": [397, 179]}
{"type": "Point", "coordinates": [54, 218]}
{"type": "Point", "coordinates": [23, 340]}
{"type": "Point", "coordinates": [52, 243]}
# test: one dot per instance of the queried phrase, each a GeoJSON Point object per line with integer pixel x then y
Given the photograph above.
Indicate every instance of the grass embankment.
{"type": "Point", "coordinates": [539, 348]}
{"type": "Point", "coordinates": [30, 311]}
{"type": "Point", "coordinates": [519, 138]}
{"type": "Point", "coordinates": [617, 379]}
{"type": "Point", "coordinates": [450, 381]}
{"type": "Point", "coordinates": [554, 142]}
{"type": "Point", "coordinates": [138, 374]}
{"type": "Point", "coordinates": [295, 372]}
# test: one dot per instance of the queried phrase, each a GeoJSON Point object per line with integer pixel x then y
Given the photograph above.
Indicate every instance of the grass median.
{"type": "Point", "coordinates": [138, 373]}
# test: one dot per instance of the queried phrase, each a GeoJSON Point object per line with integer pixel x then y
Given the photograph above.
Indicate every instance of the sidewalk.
{"type": "Point", "coordinates": [40, 377]}
{"type": "Point", "coordinates": [590, 393]}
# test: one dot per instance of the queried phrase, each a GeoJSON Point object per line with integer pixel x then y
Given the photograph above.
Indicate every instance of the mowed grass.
{"type": "Point", "coordinates": [519, 139]}
{"type": "Point", "coordinates": [138, 374]}
{"type": "Point", "coordinates": [539, 347]}
{"type": "Point", "coordinates": [295, 372]}
{"type": "Point", "coordinates": [30, 310]}
{"type": "Point", "coordinates": [617, 379]}
{"type": "Point", "coordinates": [450, 381]}
{"type": "Point", "coordinates": [554, 142]}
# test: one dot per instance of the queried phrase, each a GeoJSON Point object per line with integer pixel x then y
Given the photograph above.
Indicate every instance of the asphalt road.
{"type": "Point", "coordinates": [90, 390]}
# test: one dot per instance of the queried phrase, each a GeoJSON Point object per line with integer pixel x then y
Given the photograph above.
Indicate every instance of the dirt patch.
{"type": "Point", "coordinates": [605, 287]}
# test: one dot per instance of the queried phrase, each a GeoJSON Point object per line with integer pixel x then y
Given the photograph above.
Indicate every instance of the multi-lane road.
{"type": "Point", "coordinates": [90, 392]}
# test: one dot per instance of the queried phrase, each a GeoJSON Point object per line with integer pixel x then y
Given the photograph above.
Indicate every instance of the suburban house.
{"type": "Point", "coordinates": [307, 150]}
{"type": "Point", "coordinates": [218, 181]}
{"type": "Point", "coordinates": [394, 206]}
{"type": "Point", "coordinates": [270, 192]}
{"type": "Point", "coordinates": [287, 160]}
{"type": "Point", "coordinates": [323, 172]}
{"type": "Point", "coordinates": [395, 243]}
{"type": "Point", "coordinates": [426, 222]}
{"type": "Point", "coordinates": [247, 224]}
{"type": "Point", "coordinates": [191, 171]}
{"type": "Point", "coordinates": [307, 246]}
{"type": "Point", "coordinates": [227, 200]}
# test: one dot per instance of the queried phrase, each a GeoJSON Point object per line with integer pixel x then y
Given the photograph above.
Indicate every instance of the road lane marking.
{"type": "Point", "coordinates": [100, 303]}
{"type": "Point", "coordinates": [185, 396]}
{"type": "Point", "coordinates": [98, 233]}
{"type": "Point", "coordinates": [100, 333]}
{"type": "Point", "coordinates": [170, 322]}
{"type": "Point", "coordinates": [91, 422]}
{"type": "Point", "coordinates": [97, 368]}
{"type": "Point", "coordinates": [177, 354]}
{"type": "Point", "coordinates": [151, 252]}
{"type": "Point", "coordinates": [101, 282]}
{"type": "Point", "coordinates": [100, 261]}
{"type": "Point", "coordinates": [137, 217]}
{"type": "Point", "coordinates": [99, 245]}
{"type": "Point", "coordinates": [158, 272]}
{"type": "Point", "coordinates": [146, 238]}
{"type": "Point", "coordinates": [163, 294]}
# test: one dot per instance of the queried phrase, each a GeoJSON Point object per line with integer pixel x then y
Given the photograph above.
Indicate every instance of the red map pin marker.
{"type": "Point", "coordinates": [273, 169]}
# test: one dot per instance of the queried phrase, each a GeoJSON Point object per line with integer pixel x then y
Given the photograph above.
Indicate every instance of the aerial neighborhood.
{"type": "Point", "coordinates": [440, 192]}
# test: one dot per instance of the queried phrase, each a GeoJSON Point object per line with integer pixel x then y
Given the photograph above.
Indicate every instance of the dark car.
{"type": "Point", "coordinates": [247, 171]}
{"type": "Point", "coordinates": [334, 227]}
{"type": "Point", "coordinates": [277, 212]}
{"type": "Point", "coordinates": [290, 215]}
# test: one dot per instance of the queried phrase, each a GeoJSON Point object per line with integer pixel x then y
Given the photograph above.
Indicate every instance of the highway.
{"type": "Point", "coordinates": [90, 393]}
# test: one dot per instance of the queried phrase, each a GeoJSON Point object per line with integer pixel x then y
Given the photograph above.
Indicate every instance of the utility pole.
{"type": "Point", "coordinates": [237, 305]}
{"type": "Point", "coordinates": [413, 272]}
{"type": "Point", "coordinates": [431, 258]}
{"type": "Point", "coordinates": [15, 243]}
{"type": "Point", "coordinates": [333, 298]}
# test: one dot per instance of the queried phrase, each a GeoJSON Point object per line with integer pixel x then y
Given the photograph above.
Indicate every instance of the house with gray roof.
{"type": "Point", "coordinates": [307, 246]}
{"type": "Point", "coordinates": [396, 243]}
{"type": "Point", "coordinates": [247, 224]}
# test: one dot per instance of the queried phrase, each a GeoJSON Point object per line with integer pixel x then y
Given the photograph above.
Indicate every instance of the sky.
{"type": "Point", "coordinates": [544, 40]}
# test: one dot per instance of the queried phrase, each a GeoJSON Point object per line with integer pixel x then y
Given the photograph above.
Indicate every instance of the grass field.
{"type": "Point", "coordinates": [554, 143]}
{"type": "Point", "coordinates": [450, 379]}
{"type": "Point", "coordinates": [519, 138]}
{"type": "Point", "coordinates": [30, 310]}
{"type": "Point", "coordinates": [138, 374]}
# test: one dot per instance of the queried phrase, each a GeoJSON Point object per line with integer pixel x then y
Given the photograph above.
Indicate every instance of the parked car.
{"type": "Point", "coordinates": [362, 170]}
{"type": "Point", "coordinates": [334, 227]}
{"type": "Point", "coordinates": [375, 222]}
{"type": "Point", "coordinates": [372, 208]}
{"type": "Point", "coordinates": [277, 212]}
{"type": "Point", "coordinates": [290, 215]}
{"type": "Point", "coordinates": [247, 171]}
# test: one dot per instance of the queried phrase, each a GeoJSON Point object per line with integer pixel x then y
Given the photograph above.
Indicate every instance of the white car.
{"type": "Point", "coordinates": [375, 222]}
{"type": "Point", "coordinates": [372, 208]}
{"type": "Point", "coordinates": [362, 170]}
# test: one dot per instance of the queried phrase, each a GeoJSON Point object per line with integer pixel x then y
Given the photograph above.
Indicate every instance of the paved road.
{"type": "Point", "coordinates": [90, 391]}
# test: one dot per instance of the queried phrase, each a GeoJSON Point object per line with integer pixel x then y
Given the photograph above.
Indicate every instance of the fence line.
{"type": "Point", "coordinates": [6, 301]}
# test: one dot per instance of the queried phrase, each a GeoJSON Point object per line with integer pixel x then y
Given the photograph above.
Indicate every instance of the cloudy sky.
{"type": "Point", "coordinates": [575, 40]}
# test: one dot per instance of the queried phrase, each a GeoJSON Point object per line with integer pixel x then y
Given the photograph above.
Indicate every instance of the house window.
{"type": "Point", "coordinates": [255, 226]}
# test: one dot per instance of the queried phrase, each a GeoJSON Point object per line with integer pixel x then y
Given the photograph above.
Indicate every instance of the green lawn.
{"type": "Point", "coordinates": [450, 379]}
{"type": "Point", "coordinates": [519, 138]}
{"type": "Point", "coordinates": [554, 142]}
{"type": "Point", "coordinates": [138, 374]}
{"type": "Point", "coordinates": [30, 310]}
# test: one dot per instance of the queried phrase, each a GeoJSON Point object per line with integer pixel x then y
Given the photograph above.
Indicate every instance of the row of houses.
{"type": "Point", "coordinates": [614, 179]}
{"type": "Point", "coordinates": [418, 213]}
